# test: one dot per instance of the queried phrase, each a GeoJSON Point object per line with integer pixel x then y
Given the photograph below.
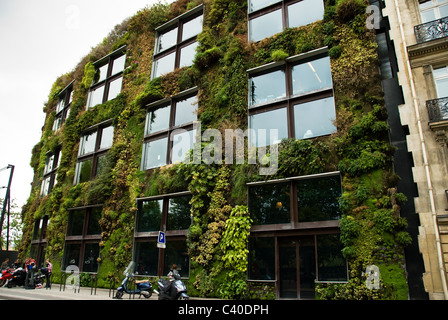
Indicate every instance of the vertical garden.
{"type": "Point", "coordinates": [371, 229]}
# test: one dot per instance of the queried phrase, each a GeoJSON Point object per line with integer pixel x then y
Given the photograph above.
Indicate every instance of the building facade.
{"type": "Point", "coordinates": [253, 134]}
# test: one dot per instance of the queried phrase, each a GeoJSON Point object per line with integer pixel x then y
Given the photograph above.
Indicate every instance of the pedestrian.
{"type": "Point", "coordinates": [5, 264]}
{"type": "Point", "coordinates": [48, 273]}
{"type": "Point", "coordinates": [30, 265]}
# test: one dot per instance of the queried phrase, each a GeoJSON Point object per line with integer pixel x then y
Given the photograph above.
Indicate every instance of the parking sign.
{"type": "Point", "coordinates": [161, 241]}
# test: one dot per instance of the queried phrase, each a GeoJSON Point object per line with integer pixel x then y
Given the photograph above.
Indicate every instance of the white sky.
{"type": "Point", "coordinates": [40, 41]}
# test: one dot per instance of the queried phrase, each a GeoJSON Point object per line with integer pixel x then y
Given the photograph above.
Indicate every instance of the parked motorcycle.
{"type": "Point", "coordinates": [143, 288]}
{"type": "Point", "coordinates": [6, 276]}
{"type": "Point", "coordinates": [18, 278]}
{"type": "Point", "coordinates": [173, 289]}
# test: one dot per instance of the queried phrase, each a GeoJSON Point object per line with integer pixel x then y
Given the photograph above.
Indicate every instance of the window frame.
{"type": "Point", "coordinates": [168, 132]}
{"type": "Point", "coordinates": [96, 153]}
{"type": "Point", "coordinates": [180, 44]}
{"type": "Point", "coordinates": [434, 7]}
{"type": "Point", "coordinates": [50, 174]}
{"type": "Point", "coordinates": [438, 78]}
{"type": "Point", "coordinates": [281, 5]}
{"type": "Point", "coordinates": [290, 100]}
{"type": "Point", "coordinates": [110, 77]}
{"type": "Point", "coordinates": [65, 96]}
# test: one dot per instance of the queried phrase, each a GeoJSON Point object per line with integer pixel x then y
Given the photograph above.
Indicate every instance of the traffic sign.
{"type": "Point", "coordinates": [161, 241]}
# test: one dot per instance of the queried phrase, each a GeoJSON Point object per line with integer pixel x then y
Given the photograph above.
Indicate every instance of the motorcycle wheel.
{"type": "Point", "coordinates": [147, 294]}
{"type": "Point", "coordinates": [119, 295]}
{"type": "Point", "coordinates": [2, 282]}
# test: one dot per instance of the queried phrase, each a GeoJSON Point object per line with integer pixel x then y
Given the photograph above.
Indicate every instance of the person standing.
{"type": "Point", "coordinates": [48, 273]}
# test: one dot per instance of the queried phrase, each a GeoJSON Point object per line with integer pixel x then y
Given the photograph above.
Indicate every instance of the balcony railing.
{"type": "Point", "coordinates": [437, 109]}
{"type": "Point", "coordinates": [431, 30]}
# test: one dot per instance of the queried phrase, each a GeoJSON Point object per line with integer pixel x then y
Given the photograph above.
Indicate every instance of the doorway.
{"type": "Point", "coordinates": [297, 267]}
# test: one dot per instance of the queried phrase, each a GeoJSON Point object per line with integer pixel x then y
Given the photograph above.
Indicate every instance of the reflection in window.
{"type": "Point", "coordinates": [149, 216]}
{"type": "Point", "coordinates": [155, 153]}
{"type": "Point", "coordinates": [332, 266]}
{"type": "Point", "coordinates": [176, 253]}
{"type": "Point", "coordinates": [192, 28]}
{"type": "Point", "coordinates": [312, 75]}
{"type": "Point", "coordinates": [147, 258]}
{"type": "Point", "coordinates": [158, 120]}
{"type": "Point", "coordinates": [107, 137]}
{"type": "Point", "coordinates": [75, 224]}
{"type": "Point", "coordinates": [95, 97]}
{"type": "Point", "coordinates": [83, 171]}
{"type": "Point", "coordinates": [262, 124]}
{"type": "Point", "coordinates": [186, 111]}
{"type": "Point", "coordinates": [71, 254]}
{"type": "Point", "coordinates": [164, 65]}
{"type": "Point", "coordinates": [267, 87]}
{"type": "Point", "coordinates": [114, 88]}
{"type": "Point", "coordinates": [265, 26]}
{"type": "Point", "coordinates": [183, 142]}
{"type": "Point", "coordinates": [91, 255]}
{"type": "Point", "coordinates": [261, 264]}
{"type": "Point", "coordinates": [166, 40]}
{"type": "Point", "coordinates": [187, 55]}
{"type": "Point", "coordinates": [314, 118]}
{"type": "Point", "coordinates": [305, 12]}
{"type": "Point", "coordinates": [179, 216]}
{"type": "Point", "coordinates": [255, 5]}
{"type": "Point", "coordinates": [88, 143]}
{"type": "Point", "coordinates": [93, 226]}
{"type": "Point", "coordinates": [270, 204]}
{"type": "Point", "coordinates": [318, 199]}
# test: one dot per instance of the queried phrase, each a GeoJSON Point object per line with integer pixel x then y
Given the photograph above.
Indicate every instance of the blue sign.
{"type": "Point", "coordinates": [161, 241]}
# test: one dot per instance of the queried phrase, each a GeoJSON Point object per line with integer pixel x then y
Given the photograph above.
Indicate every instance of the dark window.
{"type": "Point", "coordinates": [93, 148]}
{"type": "Point", "coordinates": [169, 133]}
{"type": "Point", "coordinates": [332, 265]}
{"type": "Point", "coordinates": [261, 258]}
{"type": "Point", "coordinates": [108, 79]}
{"type": "Point", "coordinates": [176, 253]}
{"type": "Point", "coordinates": [296, 98]}
{"type": "Point", "coordinates": [50, 172]}
{"type": "Point", "coordinates": [270, 204]}
{"type": "Point", "coordinates": [63, 106]}
{"type": "Point", "coordinates": [267, 18]}
{"type": "Point", "coordinates": [176, 42]}
{"type": "Point", "coordinates": [147, 257]}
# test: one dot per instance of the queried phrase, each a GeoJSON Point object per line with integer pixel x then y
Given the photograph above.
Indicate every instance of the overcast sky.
{"type": "Point", "coordinates": [40, 41]}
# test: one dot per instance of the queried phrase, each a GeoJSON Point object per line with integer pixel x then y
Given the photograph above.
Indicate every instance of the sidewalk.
{"type": "Point", "coordinates": [85, 293]}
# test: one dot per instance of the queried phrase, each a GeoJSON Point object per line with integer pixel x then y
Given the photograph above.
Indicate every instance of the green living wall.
{"type": "Point", "coordinates": [372, 231]}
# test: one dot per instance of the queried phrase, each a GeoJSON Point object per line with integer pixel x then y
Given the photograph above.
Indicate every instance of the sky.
{"type": "Point", "coordinates": [40, 41]}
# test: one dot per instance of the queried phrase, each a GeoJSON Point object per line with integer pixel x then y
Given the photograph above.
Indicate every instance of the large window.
{"type": "Point", "coordinates": [63, 106]}
{"type": "Point", "coordinates": [92, 152]}
{"type": "Point", "coordinates": [108, 79]}
{"type": "Point", "coordinates": [433, 9]}
{"type": "Point", "coordinates": [441, 81]}
{"type": "Point", "coordinates": [268, 17]}
{"type": "Point", "coordinates": [169, 133]}
{"type": "Point", "coordinates": [176, 42]}
{"type": "Point", "coordinates": [169, 213]}
{"type": "Point", "coordinates": [305, 199]}
{"type": "Point", "coordinates": [82, 239]}
{"type": "Point", "coordinates": [50, 172]}
{"type": "Point", "coordinates": [295, 97]}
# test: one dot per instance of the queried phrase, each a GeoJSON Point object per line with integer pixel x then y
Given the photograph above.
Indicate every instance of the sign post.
{"type": "Point", "coordinates": [161, 241]}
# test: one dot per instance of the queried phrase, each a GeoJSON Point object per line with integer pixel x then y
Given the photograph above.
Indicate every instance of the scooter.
{"type": "Point", "coordinates": [143, 288]}
{"type": "Point", "coordinates": [173, 289]}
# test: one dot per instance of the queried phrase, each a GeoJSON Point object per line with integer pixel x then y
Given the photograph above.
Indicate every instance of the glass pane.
{"type": "Point", "coordinates": [147, 258]}
{"type": "Point", "coordinates": [255, 5]}
{"type": "Point", "coordinates": [183, 142]}
{"type": "Point", "coordinates": [261, 258]}
{"type": "Point", "coordinates": [428, 15]}
{"type": "Point", "coordinates": [192, 28]}
{"type": "Point", "coordinates": [87, 144]}
{"type": "Point", "coordinates": [150, 216]}
{"type": "Point", "coordinates": [166, 40]}
{"type": "Point", "coordinates": [269, 204]}
{"type": "Point", "coordinates": [107, 137]}
{"type": "Point", "coordinates": [310, 76]}
{"type": "Point", "coordinates": [91, 255]}
{"type": "Point", "coordinates": [440, 72]}
{"type": "Point", "coordinates": [102, 164]}
{"type": "Point", "coordinates": [186, 111]}
{"type": "Point", "coordinates": [261, 125]}
{"type": "Point", "coordinates": [307, 266]}
{"type": "Point", "coordinates": [71, 255]}
{"type": "Point", "coordinates": [95, 97]}
{"type": "Point", "coordinates": [118, 65]}
{"type": "Point", "coordinates": [154, 153]}
{"type": "Point", "coordinates": [60, 105]}
{"type": "Point", "coordinates": [93, 226]}
{"type": "Point", "coordinates": [114, 88]}
{"type": "Point", "coordinates": [164, 65]}
{"type": "Point", "coordinates": [267, 87]}
{"type": "Point", "coordinates": [187, 55]}
{"type": "Point", "coordinates": [442, 88]}
{"type": "Point", "coordinates": [83, 171]}
{"type": "Point", "coordinates": [158, 120]}
{"type": "Point", "coordinates": [102, 73]}
{"type": "Point", "coordinates": [75, 223]}
{"type": "Point", "coordinates": [265, 25]}
{"type": "Point", "coordinates": [331, 264]}
{"type": "Point", "coordinates": [443, 11]}
{"type": "Point", "coordinates": [176, 253]}
{"type": "Point", "coordinates": [45, 188]}
{"type": "Point", "coordinates": [319, 199]}
{"type": "Point", "coordinates": [179, 215]}
{"type": "Point", "coordinates": [305, 12]}
{"type": "Point", "coordinates": [314, 118]}
{"type": "Point", "coordinates": [288, 268]}
{"type": "Point", "coordinates": [49, 163]}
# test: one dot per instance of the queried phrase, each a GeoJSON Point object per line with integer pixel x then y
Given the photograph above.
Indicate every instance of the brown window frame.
{"type": "Point", "coordinates": [65, 97]}
{"type": "Point", "coordinates": [51, 174]}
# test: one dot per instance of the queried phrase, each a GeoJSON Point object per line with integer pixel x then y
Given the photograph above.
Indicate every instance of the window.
{"type": "Point", "coordinates": [176, 42]}
{"type": "Point", "coordinates": [305, 199]}
{"type": "Point", "coordinates": [169, 132]}
{"type": "Point", "coordinates": [63, 106]}
{"type": "Point", "coordinates": [50, 172]}
{"type": "Point", "coordinates": [295, 97]}
{"type": "Point", "coordinates": [82, 239]}
{"type": "Point", "coordinates": [39, 240]}
{"type": "Point", "coordinates": [108, 79]}
{"type": "Point", "coordinates": [441, 81]}
{"type": "Point", "coordinates": [433, 10]}
{"type": "Point", "coordinates": [268, 17]}
{"type": "Point", "coordinates": [92, 152]}
{"type": "Point", "coordinates": [170, 213]}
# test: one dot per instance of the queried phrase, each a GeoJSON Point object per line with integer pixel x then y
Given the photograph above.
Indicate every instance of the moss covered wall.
{"type": "Point", "coordinates": [371, 228]}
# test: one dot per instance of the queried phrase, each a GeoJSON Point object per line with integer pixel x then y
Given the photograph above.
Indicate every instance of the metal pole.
{"type": "Point", "coordinates": [10, 166]}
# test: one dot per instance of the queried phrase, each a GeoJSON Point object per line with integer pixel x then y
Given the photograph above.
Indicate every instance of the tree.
{"type": "Point", "coordinates": [15, 226]}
